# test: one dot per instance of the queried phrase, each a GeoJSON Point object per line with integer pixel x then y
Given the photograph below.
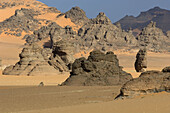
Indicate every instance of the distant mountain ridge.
{"type": "Point", "coordinates": [156, 14]}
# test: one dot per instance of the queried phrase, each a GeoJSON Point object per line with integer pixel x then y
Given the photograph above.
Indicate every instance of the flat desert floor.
{"type": "Point", "coordinates": [57, 99]}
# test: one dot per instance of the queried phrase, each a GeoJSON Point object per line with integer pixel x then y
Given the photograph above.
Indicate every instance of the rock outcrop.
{"type": "Point", "coordinates": [99, 69]}
{"type": "Point", "coordinates": [43, 33]}
{"type": "Point", "coordinates": [141, 60]}
{"type": "Point", "coordinates": [101, 34]}
{"type": "Point", "coordinates": [148, 82]}
{"type": "Point", "coordinates": [166, 69]}
{"type": "Point", "coordinates": [33, 61]}
{"type": "Point", "coordinates": [65, 50]}
{"type": "Point", "coordinates": [23, 20]}
{"type": "Point", "coordinates": [168, 34]}
{"type": "Point", "coordinates": [77, 16]}
{"type": "Point", "coordinates": [61, 40]}
{"type": "Point", "coordinates": [153, 39]}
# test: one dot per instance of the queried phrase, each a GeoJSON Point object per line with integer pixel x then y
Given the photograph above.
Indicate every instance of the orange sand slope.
{"type": "Point", "coordinates": [9, 11]}
{"type": "Point", "coordinates": [10, 47]}
{"type": "Point", "coordinates": [155, 103]}
{"type": "Point", "coordinates": [29, 4]}
{"type": "Point", "coordinates": [61, 21]}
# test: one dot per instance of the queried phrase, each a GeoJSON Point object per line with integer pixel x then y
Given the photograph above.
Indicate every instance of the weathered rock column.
{"type": "Point", "coordinates": [141, 60]}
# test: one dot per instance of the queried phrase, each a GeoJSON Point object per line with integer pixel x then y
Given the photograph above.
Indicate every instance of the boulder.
{"type": "Point", "coordinates": [141, 60]}
{"type": "Point", "coordinates": [166, 69]}
{"type": "Point", "coordinates": [148, 82]}
{"type": "Point", "coordinates": [98, 70]}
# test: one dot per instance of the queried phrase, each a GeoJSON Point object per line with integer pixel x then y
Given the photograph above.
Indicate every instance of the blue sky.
{"type": "Point", "coordinates": [114, 9]}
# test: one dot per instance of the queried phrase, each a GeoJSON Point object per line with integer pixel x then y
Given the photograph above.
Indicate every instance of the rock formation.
{"type": "Point", "coordinates": [153, 39]}
{"type": "Point", "coordinates": [101, 34]}
{"type": "Point", "coordinates": [141, 60]}
{"type": "Point", "coordinates": [43, 33]}
{"type": "Point", "coordinates": [99, 69]}
{"type": "Point", "coordinates": [77, 16]}
{"type": "Point", "coordinates": [33, 61]}
{"type": "Point", "coordinates": [65, 50]}
{"type": "Point", "coordinates": [23, 20]}
{"type": "Point", "coordinates": [168, 34]}
{"type": "Point", "coordinates": [166, 69]}
{"type": "Point", "coordinates": [61, 40]}
{"type": "Point", "coordinates": [148, 82]}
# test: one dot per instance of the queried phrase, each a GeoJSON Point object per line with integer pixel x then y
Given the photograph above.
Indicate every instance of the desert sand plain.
{"type": "Point", "coordinates": [21, 94]}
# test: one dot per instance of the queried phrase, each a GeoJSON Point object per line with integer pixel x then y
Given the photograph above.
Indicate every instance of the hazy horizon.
{"type": "Point", "coordinates": [114, 9]}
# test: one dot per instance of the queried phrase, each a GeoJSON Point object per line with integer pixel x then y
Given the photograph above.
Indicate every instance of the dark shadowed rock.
{"type": "Point", "coordinates": [166, 69]}
{"type": "Point", "coordinates": [99, 69]}
{"type": "Point", "coordinates": [148, 82]}
{"type": "Point", "coordinates": [141, 60]}
{"type": "Point", "coordinates": [65, 50]}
